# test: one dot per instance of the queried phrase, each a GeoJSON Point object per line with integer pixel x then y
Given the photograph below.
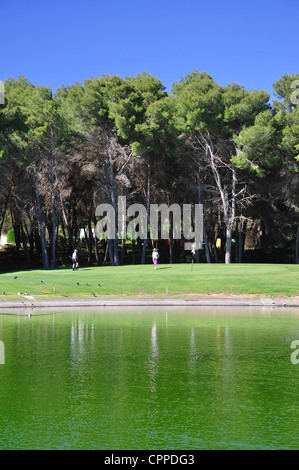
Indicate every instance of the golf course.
{"type": "Point", "coordinates": [142, 281]}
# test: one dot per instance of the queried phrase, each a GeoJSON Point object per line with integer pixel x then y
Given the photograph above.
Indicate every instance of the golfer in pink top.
{"type": "Point", "coordinates": [155, 256]}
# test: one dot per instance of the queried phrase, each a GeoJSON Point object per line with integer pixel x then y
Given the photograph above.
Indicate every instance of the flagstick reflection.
{"type": "Point", "coordinates": [154, 358]}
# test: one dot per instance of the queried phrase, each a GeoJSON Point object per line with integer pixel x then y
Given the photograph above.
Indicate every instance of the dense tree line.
{"type": "Point", "coordinates": [64, 153]}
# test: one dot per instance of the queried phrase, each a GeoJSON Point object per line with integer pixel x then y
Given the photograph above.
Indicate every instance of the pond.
{"type": "Point", "coordinates": [206, 378]}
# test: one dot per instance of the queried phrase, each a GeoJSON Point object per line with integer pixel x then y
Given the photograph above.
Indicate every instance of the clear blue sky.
{"type": "Point", "coordinates": [252, 42]}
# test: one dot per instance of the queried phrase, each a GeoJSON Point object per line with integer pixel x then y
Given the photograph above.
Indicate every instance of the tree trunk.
{"type": "Point", "coordinates": [123, 251]}
{"type": "Point", "coordinates": [231, 219]}
{"type": "Point", "coordinates": [15, 219]}
{"type": "Point", "coordinates": [171, 254]}
{"type": "Point", "coordinates": [215, 250]}
{"type": "Point", "coordinates": [36, 240]}
{"type": "Point", "coordinates": [228, 248]}
{"type": "Point", "coordinates": [207, 251]}
{"type": "Point", "coordinates": [54, 215]}
{"type": "Point", "coordinates": [133, 245]}
{"type": "Point", "coordinates": [88, 246]}
{"type": "Point", "coordinates": [3, 214]}
{"type": "Point", "coordinates": [67, 224]}
{"type": "Point", "coordinates": [114, 243]}
{"type": "Point", "coordinates": [45, 256]}
{"type": "Point", "coordinates": [24, 242]}
{"type": "Point", "coordinates": [148, 201]}
{"type": "Point", "coordinates": [30, 237]}
{"type": "Point", "coordinates": [206, 244]}
{"type": "Point", "coordinates": [229, 212]}
{"type": "Point", "coordinates": [65, 221]}
{"type": "Point", "coordinates": [96, 249]}
{"type": "Point", "coordinates": [217, 178]}
{"type": "Point", "coordinates": [90, 239]}
{"type": "Point", "coordinates": [74, 223]}
{"type": "Point", "coordinates": [111, 251]}
{"type": "Point", "coordinates": [105, 256]}
{"type": "Point", "coordinates": [297, 245]}
{"type": "Point", "coordinates": [241, 240]}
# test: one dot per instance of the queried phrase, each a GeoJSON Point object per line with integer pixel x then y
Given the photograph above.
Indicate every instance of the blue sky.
{"type": "Point", "coordinates": [60, 42]}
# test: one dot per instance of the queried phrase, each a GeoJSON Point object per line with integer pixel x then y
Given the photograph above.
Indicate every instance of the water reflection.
{"type": "Point", "coordinates": [154, 358]}
{"type": "Point", "coordinates": [227, 340]}
{"type": "Point", "coordinates": [2, 353]}
{"type": "Point", "coordinates": [149, 379]}
{"type": "Point", "coordinates": [81, 339]}
{"type": "Point", "coordinates": [193, 354]}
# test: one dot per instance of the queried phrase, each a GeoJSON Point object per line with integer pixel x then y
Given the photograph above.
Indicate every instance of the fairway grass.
{"type": "Point", "coordinates": [142, 281]}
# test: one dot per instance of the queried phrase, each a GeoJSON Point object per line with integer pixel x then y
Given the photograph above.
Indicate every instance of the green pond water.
{"type": "Point", "coordinates": [149, 379]}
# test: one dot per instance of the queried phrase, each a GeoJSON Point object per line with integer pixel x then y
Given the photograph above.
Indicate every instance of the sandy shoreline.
{"type": "Point", "coordinates": [206, 301]}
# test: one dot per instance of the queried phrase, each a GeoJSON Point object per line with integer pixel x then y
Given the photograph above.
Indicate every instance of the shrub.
{"type": "Point", "coordinates": [11, 236]}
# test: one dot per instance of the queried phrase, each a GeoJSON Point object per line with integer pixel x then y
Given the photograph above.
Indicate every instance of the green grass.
{"type": "Point", "coordinates": [177, 280]}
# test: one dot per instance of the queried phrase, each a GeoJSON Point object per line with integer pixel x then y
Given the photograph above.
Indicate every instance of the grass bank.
{"type": "Point", "coordinates": [172, 281]}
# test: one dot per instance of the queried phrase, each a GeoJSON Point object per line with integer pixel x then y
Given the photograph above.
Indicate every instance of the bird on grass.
{"type": "Point", "coordinates": [99, 285]}
{"type": "Point", "coordinates": [78, 283]}
{"type": "Point", "coordinates": [41, 282]}
{"type": "Point", "coordinates": [15, 277]}
{"type": "Point", "coordinates": [93, 294]}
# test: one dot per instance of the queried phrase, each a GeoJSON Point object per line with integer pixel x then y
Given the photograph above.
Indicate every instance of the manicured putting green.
{"type": "Point", "coordinates": [176, 280]}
